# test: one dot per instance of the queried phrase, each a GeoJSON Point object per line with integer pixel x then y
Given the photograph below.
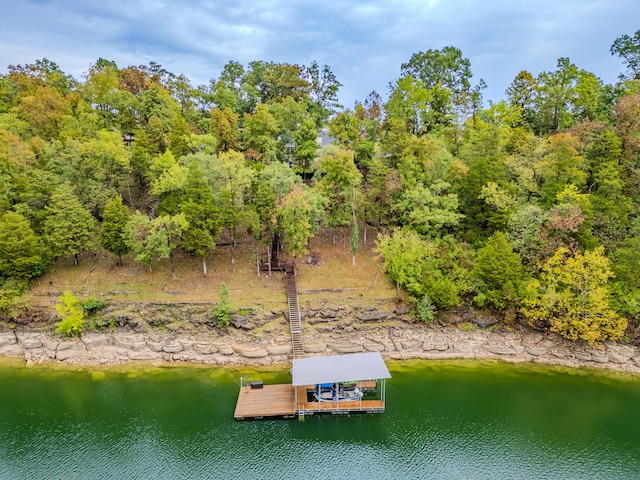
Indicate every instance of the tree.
{"type": "Point", "coordinates": [297, 215]}
{"type": "Point", "coordinates": [20, 251]}
{"type": "Point", "coordinates": [446, 70]}
{"type": "Point", "coordinates": [418, 108]}
{"type": "Point", "coordinates": [224, 127]}
{"type": "Point", "coordinates": [572, 296]}
{"type": "Point", "coordinates": [227, 90]}
{"type": "Point", "coordinates": [259, 134]}
{"type": "Point", "coordinates": [169, 179]}
{"type": "Point", "coordinates": [435, 268]}
{"type": "Point", "coordinates": [232, 180]}
{"type": "Point", "coordinates": [500, 270]}
{"type": "Point", "coordinates": [68, 228]}
{"type": "Point", "coordinates": [323, 91]}
{"type": "Point", "coordinates": [202, 215]}
{"type": "Point", "coordinates": [337, 178]}
{"type": "Point", "coordinates": [428, 210]}
{"type": "Point", "coordinates": [71, 314]}
{"type": "Point", "coordinates": [306, 147]}
{"type": "Point", "coordinates": [155, 238]}
{"type": "Point", "coordinates": [222, 310]}
{"type": "Point", "coordinates": [45, 112]}
{"type": "Point", "coordinates": [404, 256]}
{"type": "Point", "coordinates": [628, 48]}
{"type": "Point", "coordinates": [556, 97]}
{"type": "Point", "coordinates": [626, 281]}
{"type": "Point", "coordinates": [114, 226]}
{"type": "Point", "coordinates": [560, 165]}
{"type": "Point", "coordinates": [522, 94]}
{"type": "Point", "coordinates": [268, 82]}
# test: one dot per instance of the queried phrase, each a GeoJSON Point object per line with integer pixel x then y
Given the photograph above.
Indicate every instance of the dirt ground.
{"type": "Point", "coordinates": [325, 275]}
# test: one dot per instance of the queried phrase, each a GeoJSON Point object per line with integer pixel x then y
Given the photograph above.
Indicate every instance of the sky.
{"type": "Point", "coordinates": [363, 42]}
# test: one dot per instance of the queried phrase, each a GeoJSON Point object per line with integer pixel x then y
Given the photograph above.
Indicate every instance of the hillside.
{"type": "Point", "coordinates": [329, 277]}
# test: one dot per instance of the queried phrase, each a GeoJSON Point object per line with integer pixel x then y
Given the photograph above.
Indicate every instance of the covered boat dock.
{"type": "Point", "coordinates": [365, 372]}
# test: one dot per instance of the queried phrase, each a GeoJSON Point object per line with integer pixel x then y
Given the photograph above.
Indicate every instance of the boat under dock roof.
{"type": "Point", "coordinates": [350, 367]}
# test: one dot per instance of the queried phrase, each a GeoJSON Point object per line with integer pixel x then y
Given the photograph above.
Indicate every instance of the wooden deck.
{"type": "Point", "coordinates": [287, 401]}
{"type": "Point", "coordinates": [269, 401]}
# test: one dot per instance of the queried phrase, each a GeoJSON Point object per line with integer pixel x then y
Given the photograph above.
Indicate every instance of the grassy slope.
{"type": "Point", "coordinates": [334, 280]}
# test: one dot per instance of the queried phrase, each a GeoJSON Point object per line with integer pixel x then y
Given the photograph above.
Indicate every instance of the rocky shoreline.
{"type": "Point", "coordinates": [120, 347]}
{"type": "Point", "coordinates": [260, 339]}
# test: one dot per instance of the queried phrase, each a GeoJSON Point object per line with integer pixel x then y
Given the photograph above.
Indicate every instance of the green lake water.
{"type": "Point", "coordinates": [444, 420]}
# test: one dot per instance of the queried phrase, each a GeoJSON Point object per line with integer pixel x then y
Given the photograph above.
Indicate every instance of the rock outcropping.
{"type": "Point", "coordinates": [262, 339]}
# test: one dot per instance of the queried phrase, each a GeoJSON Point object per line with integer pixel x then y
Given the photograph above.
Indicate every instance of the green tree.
{"type": "Point", "coordinates": [500, 270]}
{"type": "Point", "coordinates": [428, 210]}
{"type": "Point", "coordinates": [449, 70]}
{"type": "Point", "coordinates": [155, 238]}
{"type": "Point", "coordinates": [224, 127]}
{"type": "Point", "coordinates": [522, 94]}
{"type": "Point", "coordinates": [323, 91]}
{"type": "Point", "coordinates": [259, 134]}
{"type": "Point", "coordinates": [20, 250]}
{"type": "Point", "coordinates": [297, 215]}
{"type": "Point", "coordinates": [168, 181]}
{"type": "Point", "coordinates": [68, 227]}
{"type": "Point", "coordinates": [628, 48]}
{"type": "Point", "coordinates": [232, 181]}
{"type": "Point", "coordinates": [626, 281]}
{"type": "Point", "coordinates": [202, 214]}
{"type": "Point", "coordinates": [572, 296]}
{"type": "Point", "coordinates": [425, 310]}
{"type": "Point", "coordinates": [438, 269]}
{"type": "Point", "coordinates": [113, 229]}
{"type": "Point", "coordinates": [222, 310]}
{"type": "Point", "coordinates": [405, 255]}
{"type": "Point", "coordinates": [556, 97]}
{"type": "Point", "coordinates": [337, 179]}
{"type": "Point", "coordinates": [560, 165]}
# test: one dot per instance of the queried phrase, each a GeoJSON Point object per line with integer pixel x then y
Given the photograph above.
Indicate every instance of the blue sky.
{"type": "Point", "coordinates": [364, 42]}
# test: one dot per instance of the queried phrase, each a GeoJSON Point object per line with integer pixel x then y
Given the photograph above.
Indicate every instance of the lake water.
{"type": "Point", "coordinates": [444, 420]}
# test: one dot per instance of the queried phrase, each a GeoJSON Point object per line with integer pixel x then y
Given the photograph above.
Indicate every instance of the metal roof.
{"type": "Point", "coordinates": [339, 368]}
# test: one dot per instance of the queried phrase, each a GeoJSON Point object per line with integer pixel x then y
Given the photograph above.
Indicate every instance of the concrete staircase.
{"type": "Point", "coordinates": [295, 321]}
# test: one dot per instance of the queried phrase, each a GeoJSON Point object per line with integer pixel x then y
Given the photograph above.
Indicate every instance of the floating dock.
{"type": "Point", "coordinates": [296, 399]}
{"type": "Point", "coordinates": [287, 401]}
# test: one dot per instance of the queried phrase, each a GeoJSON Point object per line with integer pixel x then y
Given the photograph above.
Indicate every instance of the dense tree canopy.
{"type": "Point", "coordinates": [471, 202]}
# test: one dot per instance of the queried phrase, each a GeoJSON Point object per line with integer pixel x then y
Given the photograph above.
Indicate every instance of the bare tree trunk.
{"type": "Point", "coordinates": [257, 252]}
{"type": "Point", "coordinates": [204, 265]}
{"type": "Point", "coordinates": [269, 258]}
{"type": "Point", "coordinates": [233, 251]}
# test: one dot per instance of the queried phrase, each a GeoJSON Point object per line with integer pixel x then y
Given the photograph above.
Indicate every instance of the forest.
{"type": "Point", "coordinates": [527, 207]}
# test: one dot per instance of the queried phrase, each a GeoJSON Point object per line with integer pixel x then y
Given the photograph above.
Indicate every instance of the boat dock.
{"type": "Point", "coordinates": [304, 396]}
{"type": "Point", "coordinates": [287, 401]}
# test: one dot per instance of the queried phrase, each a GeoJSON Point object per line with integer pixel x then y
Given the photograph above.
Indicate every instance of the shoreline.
{"type": "Point", "coordinates": [398, 342]}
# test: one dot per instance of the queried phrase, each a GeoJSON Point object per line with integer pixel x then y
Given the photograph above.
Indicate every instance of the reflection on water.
{"type": "Point", "coordinates": [443, 420]}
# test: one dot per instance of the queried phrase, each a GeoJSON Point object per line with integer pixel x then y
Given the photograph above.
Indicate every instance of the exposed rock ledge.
{"type": "Point", "coordinates": [400, 341]}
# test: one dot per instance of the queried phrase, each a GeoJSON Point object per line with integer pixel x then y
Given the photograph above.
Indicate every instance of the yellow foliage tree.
{"type": "Point", "coordinates": [573, 297]}
{"type": "Point", "coordinates": [69, 309]}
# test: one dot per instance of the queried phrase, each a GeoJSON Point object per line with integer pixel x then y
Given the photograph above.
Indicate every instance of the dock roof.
{"type": "Point", "coordinates": [339, 368]}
